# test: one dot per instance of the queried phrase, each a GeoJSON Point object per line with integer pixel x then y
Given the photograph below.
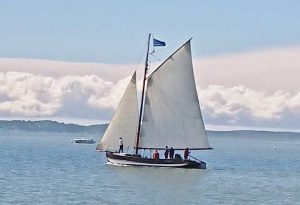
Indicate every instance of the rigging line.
{"type": "Point", "coordinates": [167, 59]}
{"type": "Point", "coordinates": [194, 158]}
{"type": "Point", "coordinates": [155, 57]}
{"type": "Point", "coordinates": [141, 56]}
{"type": "Point", "coordinates": [143, 97]}
{"type": "Point", "coordinates": [167, 49]}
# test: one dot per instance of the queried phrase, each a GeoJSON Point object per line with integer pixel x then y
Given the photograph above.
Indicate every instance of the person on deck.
{"type": "Point", "coordinates": [171, 152]}
{"type": "Point", "coordinates": [167, 152]}
{"type": "Point", "coordinates": [186, 153]}
{"type": "Point", "coordinates": [121, 145]}
{"type": "Point", "coordinates": [156, 155]}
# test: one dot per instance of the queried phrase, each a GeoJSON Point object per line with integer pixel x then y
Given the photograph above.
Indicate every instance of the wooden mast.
{"type": "Point", "coordinates": [143, 99]}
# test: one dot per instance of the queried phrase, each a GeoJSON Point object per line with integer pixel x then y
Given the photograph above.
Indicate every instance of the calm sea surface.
{"type": "Point", "coordinates": [45, 168]}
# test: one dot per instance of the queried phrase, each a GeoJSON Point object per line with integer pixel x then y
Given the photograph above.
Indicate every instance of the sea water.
{"type": "Point", "coordinates": [45, 168]}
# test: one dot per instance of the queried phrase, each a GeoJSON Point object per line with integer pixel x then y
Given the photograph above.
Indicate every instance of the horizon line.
{"type": "Point", "coordinates": [227, 129]}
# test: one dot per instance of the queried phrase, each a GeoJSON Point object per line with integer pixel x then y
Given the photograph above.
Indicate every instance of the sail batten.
{"type": "Point", "coordinates": [172, 116]}
{"type": "Point", "coordinates": [124, 122]}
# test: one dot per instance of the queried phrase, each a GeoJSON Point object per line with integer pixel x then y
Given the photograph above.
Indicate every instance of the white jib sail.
{"type": "Point", "coordinates": [172, 115]}
{"type": "Point", "coordinates": [124, 122]}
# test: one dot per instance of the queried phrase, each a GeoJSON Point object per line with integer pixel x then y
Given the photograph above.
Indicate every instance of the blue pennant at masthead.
{"type": "Point", "coordinates": [158, 42]}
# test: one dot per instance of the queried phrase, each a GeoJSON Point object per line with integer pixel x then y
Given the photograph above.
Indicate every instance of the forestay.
{"type": "Point", "coordinates": [172, 114]}
{"type": "Point", "coordinates": [124, 122]}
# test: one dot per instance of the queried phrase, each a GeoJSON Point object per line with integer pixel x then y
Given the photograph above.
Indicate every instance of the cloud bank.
{"type": "Point", "coordinates": [90, 97]}
{"type": "Point", "coordinates": [265, 70]}
{"type": "Point", "coordinates": [241, 106]}
{"type": "Point", "coordinates": [258, 89]}
{"type": "Point", "coordinates": [58, 69]}
{"type": "Point", "coordinates": [29, 95]}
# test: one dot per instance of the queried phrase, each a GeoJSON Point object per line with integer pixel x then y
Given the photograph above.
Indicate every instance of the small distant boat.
{"type": "Point", "coordinates": [83, 141]}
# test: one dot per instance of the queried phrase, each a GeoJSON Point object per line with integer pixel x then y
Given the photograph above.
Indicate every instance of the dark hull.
{"type": "Point", "coordinates": [84, 141]}
{"type": "Point", "coordinates": [136, 160]}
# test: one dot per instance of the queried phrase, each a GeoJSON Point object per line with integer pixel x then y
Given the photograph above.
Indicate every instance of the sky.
{"type": "Point", "coordinates": [71, 60]}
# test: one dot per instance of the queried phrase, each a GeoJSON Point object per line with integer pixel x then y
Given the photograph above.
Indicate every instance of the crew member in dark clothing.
{"type": "Point", "coordinates": [167, 152]}
{"type": "Point", "coordinates": [121, 145]}
{"type": "Point", "coordinates": [186, 153]}
{"type": "Point", "coordinates": [171, 152]}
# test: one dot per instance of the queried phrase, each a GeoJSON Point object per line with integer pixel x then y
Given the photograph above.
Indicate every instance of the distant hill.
{"type": "Point", "coordinates": [50, 126]}
{"type": "Point", "coordinates": [53, 126]}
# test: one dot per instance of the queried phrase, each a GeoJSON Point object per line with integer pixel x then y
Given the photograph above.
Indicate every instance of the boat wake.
{"type": "Point", "coordinates": [118, 165]}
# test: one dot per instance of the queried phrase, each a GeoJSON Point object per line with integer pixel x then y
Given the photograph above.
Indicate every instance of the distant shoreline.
{"type": "Point", "coordinates": [49, 126]}
{"type": "Point", "coordinates": [54, 126]}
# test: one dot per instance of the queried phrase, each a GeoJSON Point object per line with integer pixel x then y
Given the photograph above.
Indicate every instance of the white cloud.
{"type": "Point", "coordinates": [235, 102]}
{"type": "Point", "coordinates": [112, 97]}
{"type": "Point", "coordinates": [252, 89]}
{"type": "Point", "coordinates": [24, 94]}
{"type": "Point", "coordinates": [28, 95]}
{"type": "Point", "coordinates": [265, 70]}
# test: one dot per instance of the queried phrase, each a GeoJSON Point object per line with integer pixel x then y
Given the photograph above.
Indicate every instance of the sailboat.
{"type": "Point", "coordinates": [169, 115]}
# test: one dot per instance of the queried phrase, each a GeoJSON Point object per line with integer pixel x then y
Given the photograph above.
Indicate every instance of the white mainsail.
{"type": "Point", "coordinates": [172, 115]}
{"type": "Point", "coordinates": [124, 122]}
